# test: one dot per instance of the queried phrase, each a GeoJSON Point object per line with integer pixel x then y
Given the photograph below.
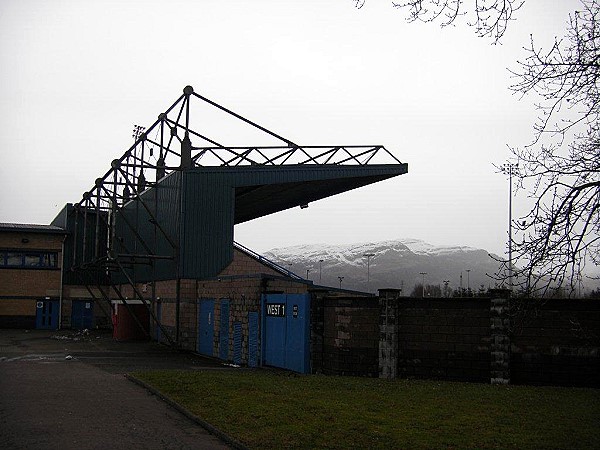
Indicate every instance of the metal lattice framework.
{"type": "Point", "coordinates": [166, 146]}
{"type": "Point", "coordinates": [174, 143]}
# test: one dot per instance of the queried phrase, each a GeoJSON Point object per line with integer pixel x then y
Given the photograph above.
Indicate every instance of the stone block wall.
{"type": "Point", "coordinates": [493, 340]}
{"type": "Point", "coordinates": [239, 308]}
{"type": "Point", "coordinates": [444, 339]}
{"type": "Point", "coordinates": [188, 323]}
{"type": "Point", "coordinates": [555, 342]}
{"type": "Point", "coordinates": [500, 339]}
{"type": "Point", "coordinates": [388, 328]}
{"type": "Point", "coordinates": [350, 336]}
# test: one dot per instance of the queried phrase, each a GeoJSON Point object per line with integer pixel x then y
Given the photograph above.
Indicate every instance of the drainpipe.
{"type": "Point", "coordinates": [264, 285]}
{"type": "Point", "coordinates": [62, 272]}
{"type": "Point", "coordinates": [177, 309]}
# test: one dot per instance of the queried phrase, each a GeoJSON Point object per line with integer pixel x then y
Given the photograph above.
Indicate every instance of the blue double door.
{"type": "Point", "coordinates": [286, 331]}
{"type": "Point", "coordinates": [46, 314]}
{"type": "Point", "coordinates": [206, 329]}
{"type": "Point", "coordinates": [82, 314]}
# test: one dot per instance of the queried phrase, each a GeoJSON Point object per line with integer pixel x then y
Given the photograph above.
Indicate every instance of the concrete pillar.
{"type": "Point", "coordinates": [160, 168]}
{"type": "Point", "coordinates": [500, 337]}
{"type": "Point", "coordinates": [186, 152]}
{"type": "Point", "coordinates": [388, 333]}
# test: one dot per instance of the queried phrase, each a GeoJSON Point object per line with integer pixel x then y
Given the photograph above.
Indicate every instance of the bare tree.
{"type": "Point", "coordinates": [561, 168]}
{"type": "Point", "coordinates": [489, 18]}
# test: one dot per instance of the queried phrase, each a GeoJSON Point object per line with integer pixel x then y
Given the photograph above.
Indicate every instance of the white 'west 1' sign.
{"type": "Point", "coordinates": [276, 309]}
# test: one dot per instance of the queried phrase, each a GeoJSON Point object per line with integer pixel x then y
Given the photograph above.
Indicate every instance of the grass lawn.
{"type": "Point", "coordinates": [277, 410]}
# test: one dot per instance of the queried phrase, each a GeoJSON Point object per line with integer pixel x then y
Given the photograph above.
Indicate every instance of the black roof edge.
{"type": "Point", "coordinates": [31, 228]}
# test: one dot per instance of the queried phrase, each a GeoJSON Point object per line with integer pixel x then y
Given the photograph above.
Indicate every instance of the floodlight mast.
{"type": "Point", "coordinates": [510, 169]}
{"type": "Point", "coordinates": [423, 290]}
{"type": "Point", "coordinates": [368, 256]}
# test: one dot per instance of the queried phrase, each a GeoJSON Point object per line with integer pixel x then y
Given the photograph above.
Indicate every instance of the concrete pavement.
{"type": "Point", "coordinates": [66, 390]}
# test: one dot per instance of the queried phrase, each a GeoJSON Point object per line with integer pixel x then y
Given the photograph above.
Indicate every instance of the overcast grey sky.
{"type": "Point", "coordinates": [75, 75]}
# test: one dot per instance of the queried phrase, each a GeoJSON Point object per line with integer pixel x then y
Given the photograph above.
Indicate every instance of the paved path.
{"type": "Point", "coordinates": [50, 402]}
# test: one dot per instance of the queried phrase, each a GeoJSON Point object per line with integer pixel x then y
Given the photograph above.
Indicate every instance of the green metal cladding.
{"type": "Point", "coordinates": [196, 210]}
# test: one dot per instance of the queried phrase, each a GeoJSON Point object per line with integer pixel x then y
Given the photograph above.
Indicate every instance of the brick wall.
{"type": "Point", "coordinates": [21, 288]}
{"type": "Point", "coordinates": [241, 283]}
{"type": "Point", "coordinates": [36, 241]}
{"type": "Point", "coordinates": [388, 333]}
{"type": "Point", "coordinates": [188, 323]}
{"type": "Point", "coordinates": [238, 312]}
{"type": "Point", "coordinates": [19, 313]}
{"type": "Point", "coordinates": [29, 282]}
{"type": "Point", "coordinates": [493, 340]}
{"type": "Point", "coordinates": [500, 328]}
{"type": "Point", "coordinates": [555, 342]}
{"type": "Point", "coordinates": [350, 336]}
{"type": "Point", "coordinates": [444, 338]}
{"type": "Point", "coordinates": [243, 264]}
{"type": "Point", "coordinates": [244, 296]}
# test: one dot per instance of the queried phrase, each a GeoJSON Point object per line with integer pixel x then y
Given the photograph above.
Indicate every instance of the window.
{"type": "Point", "coordinates": [31, 260]}
{"type": "Point", "coordinates": [50, 259]}
{"type": "Point", "coordinates": [28, 259]}
{"type": "Point", "coordinates": [14, 259]}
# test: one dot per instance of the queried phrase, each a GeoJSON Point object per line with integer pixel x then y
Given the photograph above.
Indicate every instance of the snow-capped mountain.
{"type": "Point", "coordinates": [395, 264]}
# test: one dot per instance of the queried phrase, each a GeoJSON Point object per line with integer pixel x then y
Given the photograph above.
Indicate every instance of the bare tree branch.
{"type": "Point", "coordinates": [561, 167]}
{"type": "Point", "coordinates": [489, 18]}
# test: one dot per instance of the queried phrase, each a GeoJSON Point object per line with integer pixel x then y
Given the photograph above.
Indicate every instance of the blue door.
{"type": "Point", "coordinates": [286, 331]}
{"type": "Point", "coordinates": [237, 342]}
{"type": "Point", "coordinates": [46, 317]}
{"type": "Point", "coordinates": [82, 314]}
{"type": "Point", "coordinates": [206, 328]}
{"type": "Point", "coordinates": [274, 336]}
{"type": "Point", "coordinates": [224, 330]}
{"type": "Point", "coordinates": [298, 333]}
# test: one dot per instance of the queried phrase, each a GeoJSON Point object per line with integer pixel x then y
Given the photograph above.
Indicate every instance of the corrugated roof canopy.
{"type": "Point", "coordinates": [287, 187]}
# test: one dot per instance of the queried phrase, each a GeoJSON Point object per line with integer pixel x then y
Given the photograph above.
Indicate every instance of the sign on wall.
{"type": "Point", "coordinates": [276, 309]}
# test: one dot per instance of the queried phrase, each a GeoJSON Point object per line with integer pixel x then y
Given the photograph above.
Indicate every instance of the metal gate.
{"type": "Point", "coordinates": [286, 331]}
{"type": "Point", "coordinates": [82, 314]}
{"type": "Point", "coordinates": [206, 328]}
{"type": "Point", "coordinates": [46, 317]}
